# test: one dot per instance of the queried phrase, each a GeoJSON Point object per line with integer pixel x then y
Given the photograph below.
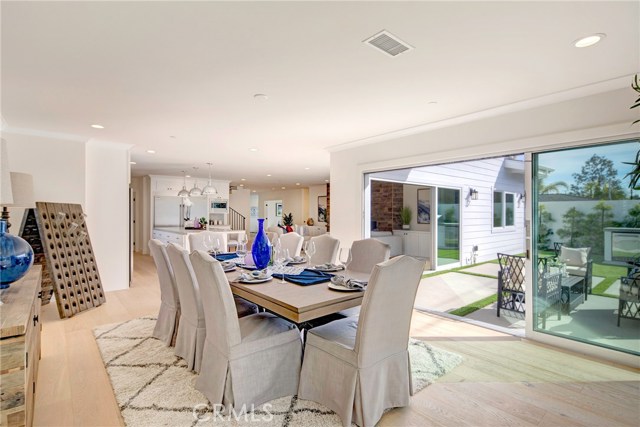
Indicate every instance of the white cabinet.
{"type": "Point", "coordinates": [168, 237]}
{"type": "Point", "coordinates": [415, 243]}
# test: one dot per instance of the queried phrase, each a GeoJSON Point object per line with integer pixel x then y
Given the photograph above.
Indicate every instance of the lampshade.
{"type": "Point", "coordinates": [22, 190]}
{"type": "Point", "coordinates": [209, 189]}
{"type": "Point", "coordinates": [6, 195]}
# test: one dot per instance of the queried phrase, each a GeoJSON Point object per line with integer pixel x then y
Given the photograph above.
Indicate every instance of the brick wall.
{"type": "Point", "coordinates": [386, 203]}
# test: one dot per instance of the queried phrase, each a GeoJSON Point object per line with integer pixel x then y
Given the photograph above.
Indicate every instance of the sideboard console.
{"type": "Point", "coordinates": [20, 348]}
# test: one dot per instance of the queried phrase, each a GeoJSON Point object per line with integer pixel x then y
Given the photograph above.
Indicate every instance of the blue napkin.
{"type": "Point", "coordinates": [307, 277]}
{"type": "Point", "coordinates": [226, 256]}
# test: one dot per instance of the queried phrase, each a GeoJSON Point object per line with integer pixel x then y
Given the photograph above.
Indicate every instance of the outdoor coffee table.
{"type": "Point", "coordinates": [572, 293]}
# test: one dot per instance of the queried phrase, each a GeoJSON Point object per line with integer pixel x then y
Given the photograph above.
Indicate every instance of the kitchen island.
{"type": "Point", "coordinates": [179, 235]}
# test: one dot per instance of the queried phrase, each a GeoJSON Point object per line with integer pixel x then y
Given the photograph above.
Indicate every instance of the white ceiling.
{"type": "Point", "coordinates": [180, 77]}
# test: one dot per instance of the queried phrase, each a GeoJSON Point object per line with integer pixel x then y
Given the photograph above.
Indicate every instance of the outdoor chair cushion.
{"type": "Point", "coordinates": [574, 257]}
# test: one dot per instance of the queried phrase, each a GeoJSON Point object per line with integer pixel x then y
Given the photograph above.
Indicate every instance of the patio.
{"type": "Point", "coordinates": [592, 321]}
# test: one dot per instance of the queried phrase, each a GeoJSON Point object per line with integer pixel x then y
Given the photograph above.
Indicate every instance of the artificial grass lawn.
{"type": "Point", "coordinates": [609, 272]}
{"type": "Point", "coordinates": [449, 253]}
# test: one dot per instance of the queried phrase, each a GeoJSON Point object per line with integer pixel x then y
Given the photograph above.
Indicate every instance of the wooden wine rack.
{"type": "Point", "coordinates": [70, 257]}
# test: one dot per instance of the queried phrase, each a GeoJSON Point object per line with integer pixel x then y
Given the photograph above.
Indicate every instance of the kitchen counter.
{"type": "Point", "coordinates": [184, 232]}
{"type": "Point", "coordinates": [178, 235]}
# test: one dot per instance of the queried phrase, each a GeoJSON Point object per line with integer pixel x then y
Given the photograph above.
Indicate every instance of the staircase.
{"type": "Point", "coordinates": [237, 221]}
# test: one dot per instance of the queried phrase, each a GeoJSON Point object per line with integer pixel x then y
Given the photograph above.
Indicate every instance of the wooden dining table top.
{"type": "Point", "coordinates": [294, 302]}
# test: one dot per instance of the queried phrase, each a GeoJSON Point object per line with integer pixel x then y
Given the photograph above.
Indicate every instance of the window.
{"type": "Point", "coordinates": [503, 209]}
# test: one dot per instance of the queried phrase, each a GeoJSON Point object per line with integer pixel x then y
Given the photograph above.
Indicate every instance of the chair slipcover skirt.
{"type": "Point", "coordinates": [358, 395]}
{"type": "Point", "coordinates": [167, 324]}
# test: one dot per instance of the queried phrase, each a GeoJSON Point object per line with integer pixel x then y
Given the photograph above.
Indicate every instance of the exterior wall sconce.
{"type": "Point", "coordinates": [473, 194]}
{"type": "Point", "coordinates": [521, 198]}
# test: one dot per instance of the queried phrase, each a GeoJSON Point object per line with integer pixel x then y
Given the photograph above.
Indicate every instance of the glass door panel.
{"type": "Point", "coordinates": [448, 226]}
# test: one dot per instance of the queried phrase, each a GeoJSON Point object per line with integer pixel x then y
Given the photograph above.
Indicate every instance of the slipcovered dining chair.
{"type": "Point", "coordinates": [359, 367]}
{"type": "Point", "coordinates": [196, 240]}
{"type": "Point", "coordinates": [293, 242]}
{"type": "Point", "coordinates": [169, 314]}
{"type": "Point", "coordinates": [246, 361]}
{"type": "Point", "coordinates": [326, 249]}
{"type": "Point", "coordinates": [366, 253]}
{"type": "Point", "coordinates": [191, 329]}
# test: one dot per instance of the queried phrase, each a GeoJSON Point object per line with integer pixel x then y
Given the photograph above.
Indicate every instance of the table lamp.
{"type": "Point", "coordinates": [22, 192]}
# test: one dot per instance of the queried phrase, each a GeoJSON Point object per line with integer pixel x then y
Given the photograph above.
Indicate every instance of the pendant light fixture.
{"type": "Point", "coordinates": [195, 191]}
{"type": "Point", "coordinates": [209, 189]}
{"type": "Point", "coordinates": [184, 192]}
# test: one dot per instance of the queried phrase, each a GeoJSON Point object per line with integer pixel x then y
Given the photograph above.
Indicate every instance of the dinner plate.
{"type": "Point", "coordinates": [254, 281]}
{"type": "Point", "coordinates": [230, 268]}
{"type": "Point", "coordinates": [247, 267]}
{"type": "Point", "coordinates": [328, 269]}
{"type": "Point", "coordinates": [342, 288]}
{"type": "Point", "coordinates": [294, 262]}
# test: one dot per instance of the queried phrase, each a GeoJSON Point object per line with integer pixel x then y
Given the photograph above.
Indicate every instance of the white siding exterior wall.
{"type": "Point", "coordinates": [476, 216]}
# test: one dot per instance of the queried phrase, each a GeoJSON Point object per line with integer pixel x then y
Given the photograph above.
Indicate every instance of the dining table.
{"type": "Point", "coordinates": [298, 303]}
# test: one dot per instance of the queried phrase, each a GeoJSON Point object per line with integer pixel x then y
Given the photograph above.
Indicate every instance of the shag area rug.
{"type": "Point", "coordinates": [154, 388]}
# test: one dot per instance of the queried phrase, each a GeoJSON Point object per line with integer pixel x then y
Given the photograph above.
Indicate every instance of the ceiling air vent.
{"type": "Point", "coordinates": [388, 43]}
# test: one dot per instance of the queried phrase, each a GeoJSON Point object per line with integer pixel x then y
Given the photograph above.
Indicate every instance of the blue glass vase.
{"type": "Point", "coordinates": [16, 256]}
{"type": "Point", "coordinates": [261, 248]}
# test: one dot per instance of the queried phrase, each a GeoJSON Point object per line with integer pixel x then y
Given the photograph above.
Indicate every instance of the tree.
{"type": "Point", "coordinates": [552, 188]}
{"type": "Point", "coordinates": [598, 179]}
{"type": "Point", "coordinates": [595, 223]}
{"type": "Point", "coordinates": [544, 230]}
{"type": "Point", "coordinates": [573, 228]}
{"type": "Point", "coordinates": [632, 220]}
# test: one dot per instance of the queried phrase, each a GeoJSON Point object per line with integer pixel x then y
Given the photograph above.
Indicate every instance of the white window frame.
{"type": "Point", "coordinates": [504, 226]}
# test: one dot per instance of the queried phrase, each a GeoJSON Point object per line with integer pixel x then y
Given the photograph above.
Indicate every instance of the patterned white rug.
{"type": "Point", "coordinates": [154, 388]}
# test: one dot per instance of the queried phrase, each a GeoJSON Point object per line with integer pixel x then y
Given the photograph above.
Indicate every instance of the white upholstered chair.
{"type": "Point", "coordinates": [246, 361]}
{"type": "Point", "coordinates": [326, 249]}
{"type": "Point", "coordinates": [293, 242]}
{"type": "Point", "coordinates": [169, 314]}
{"type": "Point", "coordinates": [358, 367]}
{"type": "Point", "coordinates": [191, 329]}
{"type": "Point", "coordinates": [365, 254]}
{"type": "Point", "coordinates": [196, 240]}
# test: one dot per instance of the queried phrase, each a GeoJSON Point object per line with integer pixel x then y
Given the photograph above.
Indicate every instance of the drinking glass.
{"type": "Point", "coordinates": [241, 250]}
{"type": "Point", "coordinates": [310, 250]}
{"type": "Point", "coordinates": [280, 259]}
{"type": "Point", "coordinates": [216, 247]}
{"type": "Point", "coordinates": [345, 257]}
{"type": "Point", "coordinates": [207, 242]}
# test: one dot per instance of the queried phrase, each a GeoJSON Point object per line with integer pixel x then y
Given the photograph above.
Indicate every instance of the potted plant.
{"type": "Point", "coordinates": [287, 220]}
{"type": "Point", "coordinates": [405, 216]}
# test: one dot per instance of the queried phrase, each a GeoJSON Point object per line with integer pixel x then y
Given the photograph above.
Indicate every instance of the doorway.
{"type": "Point", "coordinates": [272, 213]}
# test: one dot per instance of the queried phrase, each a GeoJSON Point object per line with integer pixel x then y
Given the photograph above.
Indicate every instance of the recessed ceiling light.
{"type": "Point", "coordinates": [297, 183]}
{"type": "Point", "coordinates": [260, 97]}
{"type": "Point", "coordinates": [307, 169]}
{"type": "Point", "coordinates": [132, 163]}
{"type": "Point", "coordinates": [172, 136]}
{"type": "Point", "coordinates": [432, 102]}
{"type": "Point", "coordinates": [326, 180]}
{"type": "Point", "coordinates": [589, 40]}
{"type": "Point", "coordinates": [253, 191]}
{"type": "Point", "coordinates": [151, 151]}
{"type": "Point", "coordinates": [268, 174]}
{"type": "Point", "coordinates": [97, 126]}
{"type": "Point", "coordinates": [283, 188]}
{"type": "Point", "coordinates": [253, 149]}
{"type": "Point", "coordinates": [242, 179]}
{"type": "Point", "coordinates": [187, 176]}
{"type": "Point", "coordinates": [241, 185]}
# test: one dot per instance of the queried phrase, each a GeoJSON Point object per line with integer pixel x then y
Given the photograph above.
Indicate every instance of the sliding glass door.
{"type": "Point", "coordinates": [448, 226]}
{"type": "Point", "coordinates": [586, 215]}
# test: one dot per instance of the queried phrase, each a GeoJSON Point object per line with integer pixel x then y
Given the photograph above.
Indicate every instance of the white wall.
{"type": "Point", "coordinates": [315, 191]}
{"type": "Point", "coordinates": [107, 207]}
{"type": "Point", "coordinates": [293, 201]}
{"type": "Point", "coordinates": [57, 167]}
{"type": "Point", "coordinates": [240, 201]}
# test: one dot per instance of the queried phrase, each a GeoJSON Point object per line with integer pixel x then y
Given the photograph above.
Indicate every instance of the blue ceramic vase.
{"type": "Point", "coordinates": [16, 256]}
{"type": "Point", "coordinates": [261, 248]}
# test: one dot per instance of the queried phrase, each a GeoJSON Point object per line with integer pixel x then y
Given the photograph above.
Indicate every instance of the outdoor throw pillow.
{"type": "Point", "coordinates": [574, 256]}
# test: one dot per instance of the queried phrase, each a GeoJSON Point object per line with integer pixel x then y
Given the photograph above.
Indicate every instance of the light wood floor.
{"type": "Point", "coordinates": [503, 381]}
